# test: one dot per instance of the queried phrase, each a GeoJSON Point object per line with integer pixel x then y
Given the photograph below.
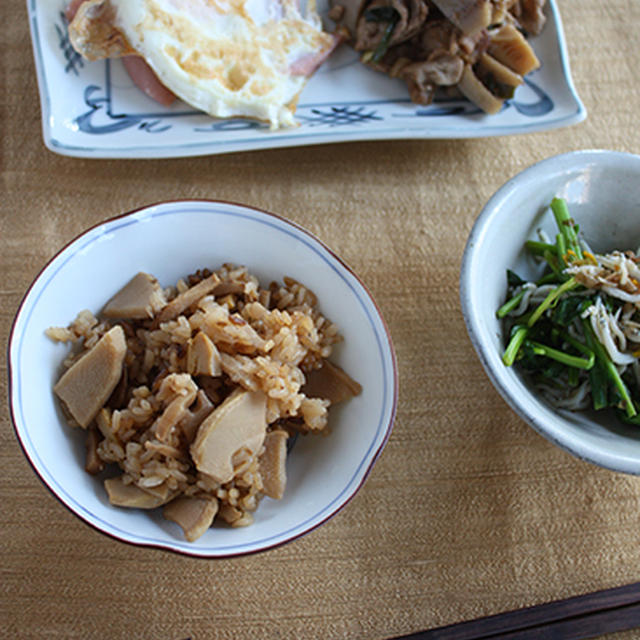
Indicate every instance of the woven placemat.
{"type": "Point", "coordinates": [468, 511]}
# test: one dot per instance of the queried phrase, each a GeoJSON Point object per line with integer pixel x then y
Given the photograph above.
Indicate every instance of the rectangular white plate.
{"type": "Point", "coordinates": [92, 109]}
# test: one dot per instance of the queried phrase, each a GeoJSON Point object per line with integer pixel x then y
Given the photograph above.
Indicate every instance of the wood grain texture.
{"type": "Point", "coordinates": [585, 616]}
{"type": "Point", "coordinates": [467, 513]}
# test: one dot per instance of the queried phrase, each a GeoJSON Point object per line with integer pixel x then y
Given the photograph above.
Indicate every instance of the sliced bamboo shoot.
{"type": "Point", "coordinates": [508, 45]}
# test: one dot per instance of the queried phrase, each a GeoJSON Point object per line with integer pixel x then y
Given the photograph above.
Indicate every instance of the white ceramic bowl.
{"type": "Point", "coordinates": [171, 240]}
{"type": "Point", "coordinates": [602, 189]}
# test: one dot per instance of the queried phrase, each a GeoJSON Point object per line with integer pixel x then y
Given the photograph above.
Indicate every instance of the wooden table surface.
{"type": "Point", "coordinates": [467, 513]}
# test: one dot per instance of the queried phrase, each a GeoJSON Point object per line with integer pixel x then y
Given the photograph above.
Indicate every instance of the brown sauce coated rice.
{"type": "Point", "coordinates": [267, 339]}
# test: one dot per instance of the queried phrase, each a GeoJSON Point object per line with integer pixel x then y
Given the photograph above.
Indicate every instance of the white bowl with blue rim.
{"type": "Point", "coordinates": [171, 240]}
{"type": "Point", "coordinates": [602, 189]}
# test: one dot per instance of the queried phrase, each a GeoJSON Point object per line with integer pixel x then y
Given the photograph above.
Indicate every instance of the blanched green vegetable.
{"type": "Point", "coordinates": [575, 331]}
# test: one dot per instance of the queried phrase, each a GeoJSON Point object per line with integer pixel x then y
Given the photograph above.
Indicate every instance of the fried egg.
{"type": "Point", "coordinates": [229, 58]}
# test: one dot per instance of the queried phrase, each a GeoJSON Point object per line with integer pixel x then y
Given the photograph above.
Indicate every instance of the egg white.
{"type": "Point", "coordinates": [228, 58]}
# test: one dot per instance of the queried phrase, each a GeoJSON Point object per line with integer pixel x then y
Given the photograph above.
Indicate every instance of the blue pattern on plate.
{"type": "Point", "coordinates": [543, 106]}
{"type": "Point", "coordinates": [73, 58]}
{"type": "Point", "coordinates": [337, 116]}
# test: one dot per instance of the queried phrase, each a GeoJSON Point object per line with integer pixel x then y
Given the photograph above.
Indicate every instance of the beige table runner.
{"type": "Point", "coordinates": [468, 511]}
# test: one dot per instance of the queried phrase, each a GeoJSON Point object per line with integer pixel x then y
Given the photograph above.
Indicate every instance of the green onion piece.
{"type": "Point", "coordinates": [561, 247]}
{"type": "Point", "coordinates": [598, 378]}
{"type": "Point", "coordinates": [547, 278]}
{"type": "Point", "coordinates": [635, 420]}
{"type": "Point", "coordinates": [576, 344]}
{"type": "Point", "coordinates": [538, 248]}
{"type": "Point", "coordinates": [509, 356]}
{"type": "Point", "coordinates": [571, 283]}
{"type": "Point", "coordinates": [598, 381]}
{"type": "Point", "coordinates": [610, 368]}
{"type": "Point", "coordinates": [573, 376]}
{"type": "Point", "coordinates": [566, 225]}
{"type": "Point", "coordinates": [381, 14]}
{"type": "Point", "coordinates": [550, 257]}
{"type": "Point", "coordinates": [560, 356]}
{"type": "Point", "coordinates": [383, 45]}
{"type": "Point", "coordinates": [513, 279]}
{"type": "Point", "coordinates": [510, 305]}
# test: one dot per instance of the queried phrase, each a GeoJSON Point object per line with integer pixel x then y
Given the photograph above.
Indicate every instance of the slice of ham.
{"type": "Point", "coordinates": [72, 9]}
{"type": "Point", "coordinates": [139, 71]}
{"type": "Point", "coordinates": [147, 81]}
{"type": "Point", "coordinates": [306, 65]}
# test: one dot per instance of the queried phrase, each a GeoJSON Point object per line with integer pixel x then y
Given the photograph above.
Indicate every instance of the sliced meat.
{"type": "Point", "coordinates": [87, 384]}
{"type": "Point", "coordinates": [97, 38]}
{"type": "Point", "coordinates": [454, 35]}
{"type": "Point", "coordinates": [72, 9]}
{"type": "Point", "coordinates": [420, 90]}
{"type": "Point", "coordinates": [471, 47]}
{"type": "Point", "coordinates": [470, 16]}
{"type": "Point", "coordinates": [308, 64]}
{"type": "Point", "coordinates": [532, 18]}
{"type": "Point", "coordinates": [441, 70]}
{"type": "Point", "coordinates": [418, 12]}
{"type": "Point", "coordinates": [348, 14]}
{"type": "Point", "coordinates": [438, 35]}
{"type": "Point", "coordinates": [380, 20]}
{"type": "Point", "coordinates": [147, 81]}
{"type": "Point", "coordinates": [390, 22]}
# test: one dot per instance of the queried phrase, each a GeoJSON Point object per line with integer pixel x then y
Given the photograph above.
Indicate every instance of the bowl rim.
{"type": "Point", "coordinates": [563, 162]}
{"type": "Point", "coordinates": [261, 214]}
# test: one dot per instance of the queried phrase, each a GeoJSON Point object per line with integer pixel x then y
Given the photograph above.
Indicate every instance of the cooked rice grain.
{"type": "Point", "coordinates": [267, 338]}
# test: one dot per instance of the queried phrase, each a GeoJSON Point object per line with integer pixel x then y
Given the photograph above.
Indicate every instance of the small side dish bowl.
{"type": "Point", "coordinates": [171, 240]}
{"type": "Point", "coordinates": [602, 190]}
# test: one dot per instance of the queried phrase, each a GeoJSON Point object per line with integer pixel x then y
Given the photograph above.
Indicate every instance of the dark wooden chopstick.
{"type": "Point", "coordinates": [576, 618]}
